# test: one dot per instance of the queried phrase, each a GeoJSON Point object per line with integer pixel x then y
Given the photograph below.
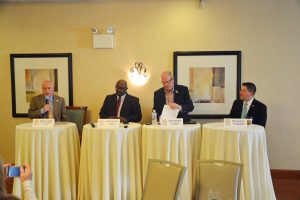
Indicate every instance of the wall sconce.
{"type": "Point", "coordinates": [103, 40]}
{"type": "Point", "coordinates": [138, 74]}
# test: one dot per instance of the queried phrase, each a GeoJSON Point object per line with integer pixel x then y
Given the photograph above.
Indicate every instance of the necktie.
{"type": "Point", "coordinates": [118, 106]}
{"type": "Point", "coordinates": [244, 111]}
{"type": "Point", "coordinates": [50, 112]}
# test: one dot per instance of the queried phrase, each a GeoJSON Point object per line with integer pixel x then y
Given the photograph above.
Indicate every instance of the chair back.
{"type": "Point", "coordinates": [219, 179]}
{"type": "Point", "coordinates": [163, 180]}
{"type": "Point", "coordinates": [77, 115]}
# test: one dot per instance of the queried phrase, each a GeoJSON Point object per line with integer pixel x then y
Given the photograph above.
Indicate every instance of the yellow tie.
{"type": "Point", "coordinates": [50, 112]}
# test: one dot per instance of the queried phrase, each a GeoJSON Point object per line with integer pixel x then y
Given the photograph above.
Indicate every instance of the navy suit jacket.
{"type": "Point", "coordinates": [257, 111]}
{"type": "Point", "coordinates": [181, 97]}
{"type": "Point", "coordinates": [131, 109]}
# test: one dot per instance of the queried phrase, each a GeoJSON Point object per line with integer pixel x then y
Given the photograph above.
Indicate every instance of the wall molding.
{"type": "Point", "coordinates": [285, 174]}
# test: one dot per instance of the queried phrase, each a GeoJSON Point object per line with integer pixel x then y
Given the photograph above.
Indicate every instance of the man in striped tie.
{"type": "Point", "coordinates": [121, 105]}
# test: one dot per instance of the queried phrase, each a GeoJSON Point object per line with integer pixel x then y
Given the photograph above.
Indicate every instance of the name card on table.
{"type": "Point", "coordinates": [237, 122]}
{"type": "Point", "coordinates": [43, 122]}
{"type": "Point", "coordinates": [171, 122]}
{"type": "Point", "coordinates": [109, 122]}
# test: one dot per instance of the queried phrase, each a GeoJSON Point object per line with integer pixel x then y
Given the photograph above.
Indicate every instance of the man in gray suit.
{"type": "Point", "coordinates": [48, 105]}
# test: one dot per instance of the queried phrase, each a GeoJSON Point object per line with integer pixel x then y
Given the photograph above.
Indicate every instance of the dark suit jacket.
{"type": "Point", "coordinates": [38, 102]}
{"type": "Point", "coordinates": [257, 111]}
{"type": "Point", "coordinates": [181, 97]}
{"type": "Point", "coordinates": [131, 109]}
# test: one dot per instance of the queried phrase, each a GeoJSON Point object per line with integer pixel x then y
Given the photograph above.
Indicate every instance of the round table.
{"type": "Point", "coordinates": [53, 155]}
{"type": "Point", "coordinates": [110, 163]}
{"type": "Point", "coordinates": [175, 144]}
{"type": "Point", "coordinates": [246, 145]}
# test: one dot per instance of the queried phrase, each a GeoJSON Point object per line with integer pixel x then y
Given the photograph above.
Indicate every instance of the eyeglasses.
{"type": "Point", "coordinates": [121, 88]}
{"type": "Point", "coordinates": [166, 82]}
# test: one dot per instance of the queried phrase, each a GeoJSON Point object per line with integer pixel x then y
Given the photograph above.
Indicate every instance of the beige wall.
{"type": "Point", "coordinates": [267, 32]}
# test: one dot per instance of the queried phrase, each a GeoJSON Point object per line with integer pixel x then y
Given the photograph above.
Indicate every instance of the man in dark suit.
{"type": "Point", "coordinates": [48, 105]}
{"type": "Point", "coordinates": [176, 96]}
{"type": "Point", "coordinates": [121, 105]}
{"type": "Point", "coordinates": [248, 106]}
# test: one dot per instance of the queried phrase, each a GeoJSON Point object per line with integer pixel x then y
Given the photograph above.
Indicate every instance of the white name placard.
{"type": "Point", "coordinates": [43, 122]}
{"type": "Point", "coordinates": [109, 122]}
{"type": "Point", "coordinates": [172, 122]}
{"type": "Point", "coordinates": [237, 122]}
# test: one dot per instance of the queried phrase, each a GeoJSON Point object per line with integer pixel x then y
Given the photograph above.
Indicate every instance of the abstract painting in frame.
{"type": "Point", "coordinates": [213, 78]}
{"type": "Point", "coordinates": [28, 71]}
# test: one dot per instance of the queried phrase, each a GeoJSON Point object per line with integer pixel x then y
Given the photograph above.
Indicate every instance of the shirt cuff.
{"type": "Point", "coordinates": [180, 108]}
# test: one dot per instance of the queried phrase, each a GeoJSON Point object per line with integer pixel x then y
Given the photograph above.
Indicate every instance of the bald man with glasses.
{"type": "Point", "coordinates": [48, 105]}
{"type": "Point", "coordinates": [176, 96]}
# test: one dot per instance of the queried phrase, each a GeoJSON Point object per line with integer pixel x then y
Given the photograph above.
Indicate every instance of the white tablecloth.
{"type": "Point", "coordinates": [246, 145]}
{"type": "Point", "coordinates": [179, 145]}
{"type": "Point", "coordinates": [53, 154]}
{"type": "Point", "coordinates": [110, 163]}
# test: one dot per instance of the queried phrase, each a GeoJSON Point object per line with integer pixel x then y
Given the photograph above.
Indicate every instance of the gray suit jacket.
{"type": "Point", "coordinates": [38, 102]}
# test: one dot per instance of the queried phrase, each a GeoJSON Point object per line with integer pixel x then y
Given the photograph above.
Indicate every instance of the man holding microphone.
{"type": "Point", "coordinates": [48, 105]}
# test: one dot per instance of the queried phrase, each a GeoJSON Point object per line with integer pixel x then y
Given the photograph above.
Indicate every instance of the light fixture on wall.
{"type": "Point", "coordinates": [138, 74]}
{"type": "Point", "coordinates": [103, 40]}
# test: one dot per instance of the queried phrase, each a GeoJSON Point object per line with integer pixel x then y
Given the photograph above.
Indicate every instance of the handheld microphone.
{"type": "Point", "coordinates": [47, 100]}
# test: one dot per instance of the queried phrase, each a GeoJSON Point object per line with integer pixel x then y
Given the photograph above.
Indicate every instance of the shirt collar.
{"type": "Point", "coordinates": [172, 91]}
{"type": "Point", "coordinates": [250, 101]}
{"type": "Point", "coordinates": [122, 97]}
{"type": "Point", "coordinates": [50, 98]}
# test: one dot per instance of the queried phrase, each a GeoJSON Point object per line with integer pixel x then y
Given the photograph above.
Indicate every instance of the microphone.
{"type": "Point", "coordinates": [47, 100]}
{"type": "Point", "coordinates": [93, 125]}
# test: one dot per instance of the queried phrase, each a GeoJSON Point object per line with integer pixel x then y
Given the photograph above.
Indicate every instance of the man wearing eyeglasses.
{"type": "Point", "coordinates": [121, 105]}
{"type": "Point", "coordinates": [47, 105]}
{"type": "Point", "coordinates": [176, 96]}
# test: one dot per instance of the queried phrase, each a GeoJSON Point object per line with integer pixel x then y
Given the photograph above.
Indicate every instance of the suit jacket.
{"type": "Point", "coordinates": [181, 97]}
{"type": "Point", "coordinates": [131, 109]}
{"type": "Point", "coordinates": [38, 102]}
{"type": "Point", "coordinates": [257, 111]}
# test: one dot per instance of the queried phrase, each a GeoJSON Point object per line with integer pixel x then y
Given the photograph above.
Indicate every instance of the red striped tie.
{"type": "Point", "coordinates": [118, 106]}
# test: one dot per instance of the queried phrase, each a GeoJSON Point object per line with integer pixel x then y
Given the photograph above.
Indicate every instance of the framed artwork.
{"type": "Point", "coordinates": [213, 79]}
{"type": "Point", "coordinates": [28, 71]}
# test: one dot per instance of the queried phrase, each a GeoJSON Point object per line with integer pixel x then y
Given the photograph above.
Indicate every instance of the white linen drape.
{"type": "Point", "coordinates": [241, 144]}
{"type": "Point", "coordinates": [53, 154]}
{"type": "Point", "coordinates": [175, 144]}
{"type": "Point", "coordinates": [110, 165]}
